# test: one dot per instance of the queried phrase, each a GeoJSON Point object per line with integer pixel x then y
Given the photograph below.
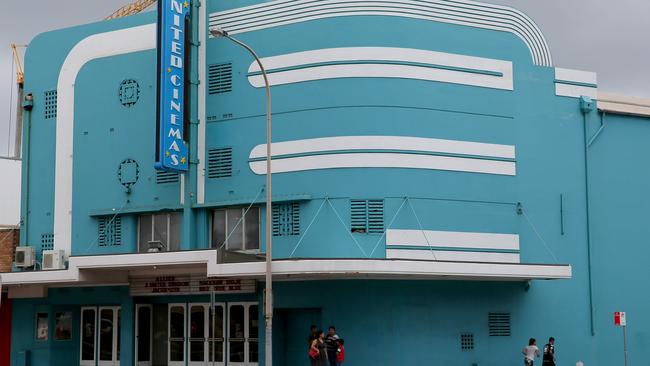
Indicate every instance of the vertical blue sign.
{"type": "Point", "coordinates": [171, 148]}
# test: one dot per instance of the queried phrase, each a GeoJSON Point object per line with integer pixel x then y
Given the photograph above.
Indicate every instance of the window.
{"type": "Point", "coordinates": [159, 232]}
{"type": "Point", "coordinates": [237, 232]}
{"type": "Point", "coordinates": [41, 326]}
{"type": "Point", "coordinates": [63, 326]}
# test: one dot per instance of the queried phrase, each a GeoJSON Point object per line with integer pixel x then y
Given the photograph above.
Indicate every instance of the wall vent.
{"type": "Point", "coordinates": [50, 104]}
{"type": "Point", "coordinates": [163, 177]}
{"type": "Point", "coordinates": [220, 78]}
{"type": "Point", "coordinates": [467, 341]}
{"type": "Point", "coordinates": [220, 163]}
{"type": "Point", "coordinates": [110, 231]}
{"type": "Point", "coordinates": [367, 216]}
{"type": "Point", "coordinates": [286, 219]}
{"type": "Point", "coordinates": [499, 324]}
{"type": "Point", "coordinates": [129, 92]}
{"type": "Point", "coordinates": [47, 241]}
{"type": "Point", "coordinates": [128, 173]}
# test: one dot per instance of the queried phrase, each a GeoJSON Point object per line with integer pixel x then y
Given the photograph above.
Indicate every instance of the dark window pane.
{"type": "Point", "coordinates": [106, 335]}
{"type": "Point", "coordinates": [218, 228]}
{"type": "Point", "coordinates": [177, 322]}
{"type": "Point", "coordinates": [144, 333]}
{"type": "Point", "coordinates": [119, 321]}
{"type": "Point", "coordinates": [176, 352]}
{"type": "Point", "coordinates": [253, 228]}
{"type": "Point", "coordinates": [144, 236]}
{"type": "Point", "coordinates": [160, 229]}
{"type": "Point", "coordinates": [197, 322]}
{"type": "Point", "coordinates": [235, 229]}
{"type": "Point", "coordinates": [236, 351]}
{"type": "Point", "coordinates": [63, 326]}
{"type": "Point", "coordinates": [175, 231]}
{"type": "Point", "coordinates": [88, 334]}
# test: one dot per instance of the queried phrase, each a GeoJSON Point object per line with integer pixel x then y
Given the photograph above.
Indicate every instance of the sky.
{"type": "Point", "coordinates": [605, 36]}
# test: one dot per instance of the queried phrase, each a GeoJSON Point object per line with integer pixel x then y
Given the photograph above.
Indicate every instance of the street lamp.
{"type": "Point", "coordinates": [268, 305]}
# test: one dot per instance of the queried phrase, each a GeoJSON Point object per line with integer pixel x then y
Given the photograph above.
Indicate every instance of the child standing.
{"type": "Point", "coordinates": [340, 352]}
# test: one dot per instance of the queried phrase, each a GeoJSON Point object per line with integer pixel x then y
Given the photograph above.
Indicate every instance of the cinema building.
{"type": "Point", "coordinates": [441, 192]}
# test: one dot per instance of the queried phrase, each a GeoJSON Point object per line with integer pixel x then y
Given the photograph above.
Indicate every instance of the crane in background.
{"type": "Point", "coordinates": [132, 8]}
{"type": "Point", "coordinates": [129, 9]}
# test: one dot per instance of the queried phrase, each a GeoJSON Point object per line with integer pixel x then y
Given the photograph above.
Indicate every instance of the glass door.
{"type": "Point", "coordinates": [217, 335]}
{"type": "Point", "coordinates": [108, 327]}
{"type": "Point", "coordinates": [143, 334]}
{"type": "Point", "coordinates": [243, 334]}
{"type": "Point", "coordinates": [88, 336]}
{"type": "Point", "coordinates": [198, 333]}
{"type": "Point", "coordinates": [177, 335]}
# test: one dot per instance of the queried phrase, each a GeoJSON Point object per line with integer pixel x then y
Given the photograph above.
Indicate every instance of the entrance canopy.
{"type": "Point", "coordinates": [119, 269]}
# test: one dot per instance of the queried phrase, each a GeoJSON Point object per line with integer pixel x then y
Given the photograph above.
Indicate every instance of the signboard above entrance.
{"type": "Point", "coordinates": [171, 146]}
{"type": "Point", "coordinates": [187, 285]}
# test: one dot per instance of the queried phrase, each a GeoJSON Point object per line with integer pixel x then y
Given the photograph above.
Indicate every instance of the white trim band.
{"type": "Point", "coordinates": [385, 160]}
{"type": "Point", "coordinates": [452, 239]}
{"type": "Point", "coordinates": [461, 12]}
{"type": "Point", "coordinates": [405, 143]}
{"type": "Point", "coordinates": [575, 83]}
{"type": "Point", "coordinates": [385, 152]}
{"type": "Point", "coordinates": [380, 62]}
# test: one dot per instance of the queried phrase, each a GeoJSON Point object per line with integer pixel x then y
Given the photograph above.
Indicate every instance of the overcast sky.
{"type": "Point", "coordinates": [605, 36]}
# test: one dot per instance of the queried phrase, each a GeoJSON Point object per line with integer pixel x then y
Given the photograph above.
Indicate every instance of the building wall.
{"type": "Point", "coordinates": [9, 239]}
{"type": "Point", "coordinates": [10, 192]}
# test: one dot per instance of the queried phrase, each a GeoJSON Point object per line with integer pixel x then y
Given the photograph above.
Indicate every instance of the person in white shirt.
{"type": "Point", "coordinates": [530, 352]}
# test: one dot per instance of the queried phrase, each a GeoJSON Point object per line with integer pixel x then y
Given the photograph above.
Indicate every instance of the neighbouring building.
{"type": "Point", "coordinates": [442, 192]}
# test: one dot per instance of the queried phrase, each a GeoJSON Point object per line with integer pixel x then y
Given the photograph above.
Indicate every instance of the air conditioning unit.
{"type": "Point", "coordinates": [53, 259]}
{"type": "Point", "coordinates": [24, 257]}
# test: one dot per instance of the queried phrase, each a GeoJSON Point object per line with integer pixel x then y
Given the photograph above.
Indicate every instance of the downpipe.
{"type": "Point", "coordinates": [587, 105]}
{"type": "Point", "coordinates": [28, 104]}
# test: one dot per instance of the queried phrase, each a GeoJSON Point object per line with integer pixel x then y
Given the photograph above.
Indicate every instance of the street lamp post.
{"type": "Point", "coordinates": [268, 305]}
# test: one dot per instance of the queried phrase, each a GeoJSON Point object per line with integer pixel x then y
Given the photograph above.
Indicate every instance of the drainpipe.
{"type": "Point", "coordinates": [28, 104]}
{"type": "Point", "coordinates": [586, 106]}
{"type": "Point", "coordinates": [19, 122]}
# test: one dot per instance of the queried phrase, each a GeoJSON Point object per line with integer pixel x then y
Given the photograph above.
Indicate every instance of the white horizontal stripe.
{"type": "Point", "coordinates": [385, 160]}
{"type": "Point", "coordinates": [469, 13]}
{"type": "Point", "coordinates": [404, 143]}
{"type": "Point", "coordinates": [352, 268]}
{"type": "Point", "coordinates": [441, 255]}
{"type": "Point", "coordinates": [577, 76]}
{"type": "Point", "coordinates": [377, 69]}
{"type": "Point", "coordinates": [575, 91]}
{"type": "Point", "coordinates": [452, 239]}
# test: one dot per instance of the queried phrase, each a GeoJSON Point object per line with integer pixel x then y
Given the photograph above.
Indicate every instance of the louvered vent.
{"type": "Point", "coordinates": [50, 104]}
{"type": "Point", "coordinates": [499, 324]}
{"type": "Point", "coordinates": [110, 231]}
{"type": "Point", "coordinates": [47, 241]}
{"type": "Point", "coordinates": [220, 78]}
{"type": "Point", "coordinates": [163, 177]}
{"type": "Point", "coordinates": [467, 341]}
{"type": "Point", "coordinates": [286, 219]}
{"type": "Point", "coordinates": [220, 163]}
{"type": "Point", "coordinates": [367, 216]}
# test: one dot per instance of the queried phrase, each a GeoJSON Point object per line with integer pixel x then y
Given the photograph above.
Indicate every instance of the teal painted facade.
{"type": "Point", "coordinates": [544, 202]}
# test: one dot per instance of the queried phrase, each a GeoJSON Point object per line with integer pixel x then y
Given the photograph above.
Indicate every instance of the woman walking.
{"type": "Point", "coordinates": [318, 350]}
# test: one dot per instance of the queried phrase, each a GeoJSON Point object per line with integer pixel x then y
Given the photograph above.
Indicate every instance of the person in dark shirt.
{"type": "Point", "coordinates": [549, 353]}
{"type": "Point", "coordinates": [312, 334]}
{"type": "Point", "coordinates": [332, 345]}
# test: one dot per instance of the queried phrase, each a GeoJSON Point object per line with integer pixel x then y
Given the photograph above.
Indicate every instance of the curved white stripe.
{"type": "Point", "coordinates": [90, 48]}
{"type": "Point", "coordinates": [437, 72]}
{"type": "Point", "coordinates": [396, 54]}
{"type": "Point", "coordinates": [381, 71]}
{"type": "Point", "coordinates": [385, 160]}
{"type": "Point", "coordinates": [468, 13]}
{"type": "Point", "coordinates": [403, 143]}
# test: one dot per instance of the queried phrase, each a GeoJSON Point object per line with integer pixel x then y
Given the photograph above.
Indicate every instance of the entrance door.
{"type": "Point", "coordinates": [198, 333]}
{"type": "Point", "coordinates": [243, 334]}
{"type": "Point", "coordinates": [217, 335]}
{"type": "Point", "coordinates": [177, 334]}
{"type": "Point", "coordinates": [143, 334]}
{"type": "Point", "coordinates": [100, 336]}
